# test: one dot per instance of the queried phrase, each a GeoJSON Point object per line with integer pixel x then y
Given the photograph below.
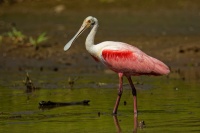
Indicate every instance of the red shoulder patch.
{"type": "Point", "coordinates": [117, 54]}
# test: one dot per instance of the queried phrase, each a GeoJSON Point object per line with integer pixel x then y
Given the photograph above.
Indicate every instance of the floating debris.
{"type": "Point", "coordinates": [50, 104]}
{"type": "Point", "coordinates": [101, 84]}
{"type": "Point", "coordinates": [125, 103]}
{"type": "Point", "coordinates": [55, 69]}
{"type": "Point", "coordinates": [41, 68]}
{"type": "Point", "coordinates": [176, 88]}
{"type": "Point", "coordinates": [99, 114]}
{"type": "Point", "coordinates": [142, 124]}
{"type": "Point", "coordinates": [71, 81]}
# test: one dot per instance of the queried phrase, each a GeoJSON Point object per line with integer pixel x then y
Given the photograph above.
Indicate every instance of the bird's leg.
{"type": "Point", "coordinates": [119, 93]}
{"type": "Point", "coordinates": [134, 94]}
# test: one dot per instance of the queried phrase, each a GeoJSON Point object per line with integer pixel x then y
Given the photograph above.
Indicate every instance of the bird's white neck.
{"type": "Point", "coordinates": [90, 38]}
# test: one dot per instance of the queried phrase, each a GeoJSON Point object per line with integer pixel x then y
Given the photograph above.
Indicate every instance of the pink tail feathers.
{"type": "Point", "coordinates": [160, 68]}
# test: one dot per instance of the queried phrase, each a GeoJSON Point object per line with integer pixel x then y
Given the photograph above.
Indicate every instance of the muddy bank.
{"type": "Point", "coordinates": [170, 35]}
{"type": "Point", "coordinates": [53, 55]}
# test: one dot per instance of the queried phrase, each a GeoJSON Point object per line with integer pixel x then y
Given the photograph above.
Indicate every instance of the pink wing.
{"type": "Point", "coordinates": [133, 62]}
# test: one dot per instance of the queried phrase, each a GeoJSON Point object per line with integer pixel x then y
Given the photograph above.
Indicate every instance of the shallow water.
{"type": "Point", "coordinates": [165, 104]}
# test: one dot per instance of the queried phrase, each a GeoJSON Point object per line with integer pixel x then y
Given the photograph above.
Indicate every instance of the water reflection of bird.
{"type": "Point", "coordinates": [122, 58]}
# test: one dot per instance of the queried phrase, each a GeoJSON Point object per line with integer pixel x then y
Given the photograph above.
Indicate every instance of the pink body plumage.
{"type": "Point", "coordinates": [132, 61]}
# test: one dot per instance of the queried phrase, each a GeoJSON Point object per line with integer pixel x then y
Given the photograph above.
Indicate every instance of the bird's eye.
{"type": "Point", "coordinates": [91, 22]}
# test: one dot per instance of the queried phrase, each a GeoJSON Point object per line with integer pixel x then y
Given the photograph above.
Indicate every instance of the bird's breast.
{"type": "Point", "coordinates": [95, 58]}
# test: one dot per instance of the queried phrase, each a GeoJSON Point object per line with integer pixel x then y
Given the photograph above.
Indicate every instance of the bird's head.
{"type": "Point", "coordinates": [88, 22]}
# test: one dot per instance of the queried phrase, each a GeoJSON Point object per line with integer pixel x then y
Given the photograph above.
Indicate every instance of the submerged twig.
{"type": "Point", "coordinates": [28, 83]}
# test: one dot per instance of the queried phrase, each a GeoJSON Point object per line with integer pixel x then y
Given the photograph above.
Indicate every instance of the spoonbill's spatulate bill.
{"type": "Point", "coordinates": [122, 58]}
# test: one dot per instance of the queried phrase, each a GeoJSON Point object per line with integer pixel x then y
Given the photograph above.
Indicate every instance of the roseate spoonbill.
{"type": "Point", "coordinates": [122, 58]}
